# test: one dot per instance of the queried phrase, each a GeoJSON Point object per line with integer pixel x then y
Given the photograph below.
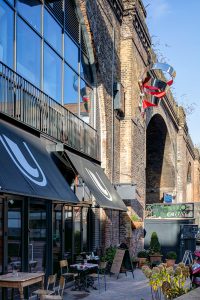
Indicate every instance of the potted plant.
{"type": "Point", "coordinates": [155, 255]}
{"type": "Point", "coordinates": [171, 257]}
{"type": "Point", "coordinates": [142, 257]}
{"type": "Point", "coordinates": [136, 221]}
{"type": "Point", "coordinates": [135, 261]}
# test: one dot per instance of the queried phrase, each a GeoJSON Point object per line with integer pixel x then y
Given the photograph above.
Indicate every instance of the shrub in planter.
{"type": "Point", "coordinates": [155, 249]}
{"type": "Point", "coordinates": [171, 257]}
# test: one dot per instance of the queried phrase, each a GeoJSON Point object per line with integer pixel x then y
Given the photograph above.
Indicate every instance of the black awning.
{"type": "Point", "coordinates": [97, 182]}
{"type": "Point", "coordinates": [26, 168]}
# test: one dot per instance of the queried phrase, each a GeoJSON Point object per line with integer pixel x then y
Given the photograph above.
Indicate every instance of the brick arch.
{"type": "Point", "coordinates": [160, 170]}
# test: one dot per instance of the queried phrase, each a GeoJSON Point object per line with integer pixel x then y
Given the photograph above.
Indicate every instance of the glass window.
{"type": "Point", "coordinates": [31, 11]}
{"type": "Point", "coordinates": [86, 71]}
{"type": "Point", "coordinates": [71, 89]}
{"type": "Point", "coordinates": [28, 53]}
{"type": "Point", "coordinates": [52, 73]}
{"type": "Point", "coordinates": [84, 228]}
{"type": "Point", "coordinates": [85, 101]}
{"type": "Point", "coordinates": [77, 230]}
{"type": "Point", "coordinates": [6, 34]}
{"type": "Point", "coordinates": [52, 31]}
{"type": "Point", "coordinates": [68, 231]}
{"type": "Point", "coordinates": [71, 52]}
{"type": "Point", "coordinates": [37, 236]}
{"type": "Point", "coordinates": [14, 235]}
{"type": "Point", "coordinates": [11, 1]}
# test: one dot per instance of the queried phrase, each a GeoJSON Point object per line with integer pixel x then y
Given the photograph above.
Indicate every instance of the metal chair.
{"type": "Point", "coordinates": [60, 291]}
{"type": "Point", "coordinates": [50, 284]}
{"type": "Point", "coordinates": [64, 268]}
{"type": "Point", "coordinates": [100, 274]}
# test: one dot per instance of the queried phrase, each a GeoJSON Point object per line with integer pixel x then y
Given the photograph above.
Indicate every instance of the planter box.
{"type": "Point", "coordinates": [170, 262]}
{"type": "Point", "coordinates": [155, 258]}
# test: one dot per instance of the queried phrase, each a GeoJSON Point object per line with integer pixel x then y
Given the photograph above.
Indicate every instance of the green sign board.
{"type": "Point", "coordinates": [179, 210]}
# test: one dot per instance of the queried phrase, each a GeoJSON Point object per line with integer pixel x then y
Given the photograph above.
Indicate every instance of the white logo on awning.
{"type": "Point", "coordinates": [36, 175]}
{"type": "Point", "coordinates": [99, 184]}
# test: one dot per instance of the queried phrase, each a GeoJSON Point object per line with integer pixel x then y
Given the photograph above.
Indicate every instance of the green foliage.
{"type": "Point", "coordinates": [143, 254]}
{"type": "Point", "coordinates": [171, 255]}
{"type": "Point", "coordinates": [167, 281]}
{"type": "Point", "coordinates": [135, 218]}
{"type": "Point", "coordinates": [110, 254]}
{"type": "Point", "coordinates": [154, 244]}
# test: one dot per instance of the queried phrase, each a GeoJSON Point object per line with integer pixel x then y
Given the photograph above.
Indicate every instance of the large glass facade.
{"type": "Point", "coordinates": [31, 11]}
{"type": "Point", "coordinates": [28, 42]}
{"type": "Point", "coordinates": [52, 31]}
{"type": "Point", "coordinates": [6, 34]}
{"type": "Point", "coordinates": [52, 73]}
{"type": "Point", "coordinates": [45, 53]}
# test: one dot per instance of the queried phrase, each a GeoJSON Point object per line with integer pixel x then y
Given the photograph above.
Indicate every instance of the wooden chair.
{"type": "Point", "coordinates": [50, 284]}
{"type": "Point", "coordinates": [64, 269]}
{"type": "Point", "coordinates": [60, 291]}
{"type": "Point", "coordinates": [100, 274]}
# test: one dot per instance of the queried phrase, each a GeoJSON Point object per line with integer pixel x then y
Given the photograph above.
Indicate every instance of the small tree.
{"type": "Point", "coordinates": [154, 244]}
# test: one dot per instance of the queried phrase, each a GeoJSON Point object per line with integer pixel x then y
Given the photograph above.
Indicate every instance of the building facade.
{"type": "Point", "coordinates": [69, 74]}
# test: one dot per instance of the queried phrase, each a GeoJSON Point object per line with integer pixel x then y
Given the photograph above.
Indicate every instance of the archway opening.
{"type": "Point", "coordinates": [160, 171]}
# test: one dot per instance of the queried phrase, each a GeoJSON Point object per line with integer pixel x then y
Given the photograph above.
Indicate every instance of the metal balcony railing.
{"type": "Point", "coordinates": [23, 101]}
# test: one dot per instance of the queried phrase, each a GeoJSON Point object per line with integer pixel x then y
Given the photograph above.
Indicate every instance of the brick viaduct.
{"type": "Point", "coordinates": [155, 152]}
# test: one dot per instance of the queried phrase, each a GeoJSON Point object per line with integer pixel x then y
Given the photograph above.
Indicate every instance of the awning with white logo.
{"type": "Point", "coordinates": [26, 168]}
{"type": "Point", "coordinates": [97, 182]}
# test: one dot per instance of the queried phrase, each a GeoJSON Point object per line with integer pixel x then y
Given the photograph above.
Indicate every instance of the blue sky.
{"type": "Point", "coordinates": [175, 29]}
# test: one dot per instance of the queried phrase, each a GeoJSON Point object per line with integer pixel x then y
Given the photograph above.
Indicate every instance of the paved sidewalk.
{"type": "Point", "coordinates": [123, 288]}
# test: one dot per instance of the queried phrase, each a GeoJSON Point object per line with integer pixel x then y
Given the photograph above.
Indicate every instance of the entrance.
{"type": "Point", "coordinates": [160, 169]}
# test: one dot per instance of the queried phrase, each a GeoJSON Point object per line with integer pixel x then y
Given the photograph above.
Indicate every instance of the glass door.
{"type": "Point", "coordinates": [37, 236]}
{"type": "Point", "coordinates": [14, 235]}
{"type": "Point", "coordinates": [57, 236]}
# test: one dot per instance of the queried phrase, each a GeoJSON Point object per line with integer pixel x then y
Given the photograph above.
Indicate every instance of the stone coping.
{"type": "Point", "coordinates": [192, 295]}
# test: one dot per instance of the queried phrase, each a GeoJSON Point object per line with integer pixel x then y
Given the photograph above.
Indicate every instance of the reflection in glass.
{"type": "Point", "coordinates": [85, 101]}
{"type": "Point", "coordinates": [37, 237]}
{"type": "Point", "coordinates": [86, 71]}
{"type": "Point", "coordinates": [52, 73]}
{"type": "Point", "coordinates": [14, 235]}
{"type": "Point", "coordinates": [77, 230]}
{"type": "Point", "coordinates": [6, 34]}
{"type": "Point", "coordinates": [84, 225]}
{"type": "Point", "coordinates": [71, 88]}
{"type": "Point", "coordinates": [28, 42]}
{"type": "Point", "coordinates": [57, 234]}
{"type": "Point", "coordinates": [68, 231]}
{"type": "Point", "coordinates": [11, 1]}
{"type": "Point", "coordinates": [52, 31]}
{"type": "Point", "coordinates": [71, 52]}
{"type": "Point", "coordinates": [1, 234]}
{"type": "Point", "coordinates": [31, 11]}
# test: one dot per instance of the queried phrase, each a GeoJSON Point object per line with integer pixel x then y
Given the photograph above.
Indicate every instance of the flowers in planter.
{"type": "Point", "coordinates": [166, 281]}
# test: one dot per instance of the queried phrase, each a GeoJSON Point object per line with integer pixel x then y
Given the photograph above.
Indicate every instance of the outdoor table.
{"type": "Point", "coordinates": [19, 280]}
{"type": "Point", "coordinates": [83, 270]}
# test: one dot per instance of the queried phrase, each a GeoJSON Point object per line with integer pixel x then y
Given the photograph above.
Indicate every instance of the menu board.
{"type": "Point", "coordinates": [117, 262]}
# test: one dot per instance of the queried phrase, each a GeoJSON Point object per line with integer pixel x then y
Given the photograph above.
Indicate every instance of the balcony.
{"type": "Point", "coordinates": [26, 103]}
